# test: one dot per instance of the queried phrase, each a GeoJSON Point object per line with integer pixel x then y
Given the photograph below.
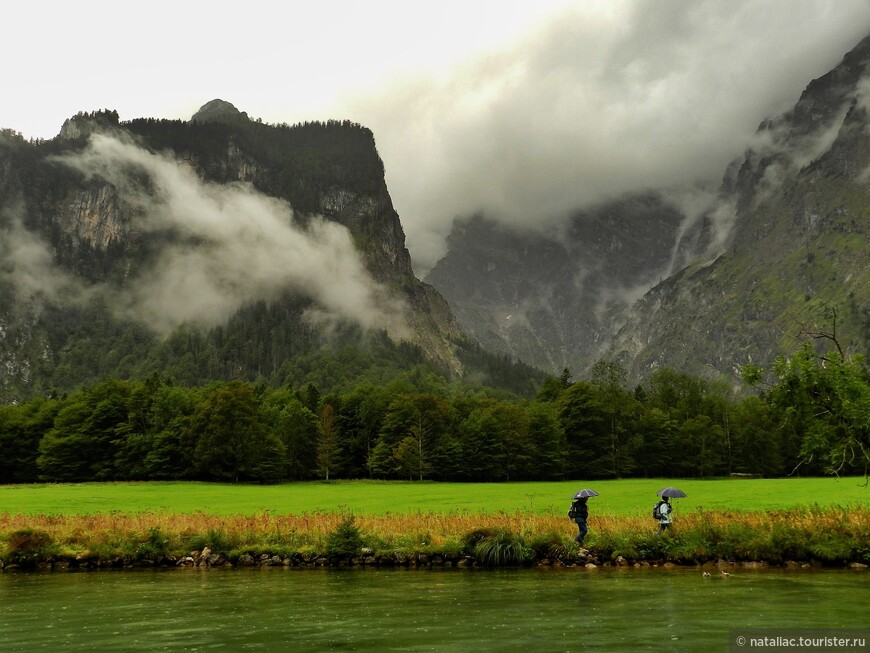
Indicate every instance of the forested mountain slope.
{"type": "Point", "coordinates": [215, 248]}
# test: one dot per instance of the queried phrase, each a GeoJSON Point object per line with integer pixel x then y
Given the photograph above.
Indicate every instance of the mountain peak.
{"type": "Point", "coordinates": [218, 110]}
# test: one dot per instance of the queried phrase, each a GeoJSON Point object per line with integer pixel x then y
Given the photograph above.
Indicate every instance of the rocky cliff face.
{"type": "Point", "coordinates": [368, 213]}
{"type": "Point", "coordinates": [91, 223]}
{"type": "Point", "coordinates": [555, 300]}
{"type": "Point", "coordinates": [795, 259]}
{"type": "Point", "coordinates": [376, 225]}
{"type": "Point", "coordinates": [95, 216]}
{"type": "Point", "coordinates": [781, 251]}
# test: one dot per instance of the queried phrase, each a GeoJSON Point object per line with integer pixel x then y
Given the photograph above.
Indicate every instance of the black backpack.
{"type": "Point", "coordinates": [576, 510]}
{"type": "Point", "coordinates": [657, 510]}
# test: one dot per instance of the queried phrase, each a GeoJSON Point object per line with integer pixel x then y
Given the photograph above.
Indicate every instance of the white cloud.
{"type": "Point", "coordinates": [235, 246]}
{"type": "Point", "coordinates": [26, 262]}
{"type": "Point", "coordinates": [520, 109]}
{"type": "Point", "coordinates": [650, 93]}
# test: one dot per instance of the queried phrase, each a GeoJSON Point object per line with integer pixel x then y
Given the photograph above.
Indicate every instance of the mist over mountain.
{"type": "Point", "coordinates": [793, 263]}
{"type": "Point", "coordinates": [552, 300]}
{"type": "Point", "coordinates": [222, 247]}
{"type": "Point", "coordinates": [702, 281]}
{"type": "Point", "coordinates": [598, 101]}
{"type": "Point", "coordinates": [213, 248]}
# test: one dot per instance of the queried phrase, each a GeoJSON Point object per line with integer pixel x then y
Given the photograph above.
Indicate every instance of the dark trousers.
{"type": "Point", "coordinates": [581, 526]}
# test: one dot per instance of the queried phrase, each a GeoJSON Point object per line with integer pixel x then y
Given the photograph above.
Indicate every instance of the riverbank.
{"type": "Point", "coordinates": [811, 537]}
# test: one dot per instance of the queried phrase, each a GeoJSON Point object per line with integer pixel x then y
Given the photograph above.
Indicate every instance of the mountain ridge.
{"type": "Point", "coordinates": [778, 253]}
{"type": "Point", "coordinates": [100, 205]}
{"type": "Point", "coordinates": [795, 262]}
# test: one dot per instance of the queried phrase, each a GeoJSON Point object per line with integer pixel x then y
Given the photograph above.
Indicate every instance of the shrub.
{"type": "Point", "coordinates": [835, 552]}
{"type": "Point", "coordinates": [625, 545]}
{"type": "Point", "coordinates": [155, 545]}
{"type": "Point", "coordinates": [787, 542]}
{"type": "Point", "coordinates": [652, 547]}
{"type": "Point", "coordinates": [502, 549]}
{"type": "Point", "coordinates": [345, 541]}
{"type": "Point", "coordinates": [28, 546]}
{"type": "Point", "coordinates": [471, 539]}
{"type": "Point", "coordinates": [736, 543]}
{"type": "Point", "coordinates": [451, 549]}
{"type": "Point", "coordinates": [549, 545]}
{"type": "Point", "coordinates": [215, 538]}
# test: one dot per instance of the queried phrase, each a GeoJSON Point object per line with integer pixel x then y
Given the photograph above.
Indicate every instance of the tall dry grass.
{"type": "Point", "coordinates": [831, 535]}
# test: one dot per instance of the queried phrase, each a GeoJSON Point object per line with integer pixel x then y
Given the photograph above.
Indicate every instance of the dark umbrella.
{"type": "Point", "coordinates": [672, 492]}
{"type": "Point", "coordinates": [585, 493]}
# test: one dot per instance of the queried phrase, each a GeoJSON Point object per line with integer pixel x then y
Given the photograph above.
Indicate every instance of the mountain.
{"type": "Point", "coordinates": [794, 263]}
{"type": "Point", "coordinates": [552, 300]}
{"type": "Point", "coordinates": [780, 255]}
{"type": "Point", "coordinates": [219, 247]}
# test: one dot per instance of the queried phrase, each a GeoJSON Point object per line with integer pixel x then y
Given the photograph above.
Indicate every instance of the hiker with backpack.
{"type": "Point", "coordinates": [662, 513]}
{"type": "Point", "coordinates": [579, 512]}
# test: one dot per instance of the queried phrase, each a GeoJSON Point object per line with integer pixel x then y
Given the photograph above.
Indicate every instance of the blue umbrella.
{"type": "Point", "coordinates": [671, 492]}
{"type": "Point", "coordinates": [584, 493]}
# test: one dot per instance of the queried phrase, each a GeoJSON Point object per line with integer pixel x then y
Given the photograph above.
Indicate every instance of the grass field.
{"type": "Point", "coordinates": [806, 519]}
{"type": "Point", "coordinates": [618, 498]}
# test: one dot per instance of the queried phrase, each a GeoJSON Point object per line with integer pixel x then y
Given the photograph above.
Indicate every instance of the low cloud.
{"type": "Point", "coordinates": [607, 98]}
{"type": "Point", "coordinates": [230, 245]}
{"type": "Point", "coordinates": [27, 264]}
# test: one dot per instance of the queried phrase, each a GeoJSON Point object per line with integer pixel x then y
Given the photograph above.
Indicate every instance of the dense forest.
{"type": "Point", "coordinates": [266, 343]}
{"type": "Point", "coordinates": [810, 415]}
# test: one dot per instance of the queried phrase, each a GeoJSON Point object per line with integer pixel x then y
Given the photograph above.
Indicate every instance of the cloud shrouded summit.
{"type": "Point", "coordinates": [520, 110]}
{"type": "Point", "coordinates": [231, 245]}
{"type": "Point", "coordinates": [606, 98]}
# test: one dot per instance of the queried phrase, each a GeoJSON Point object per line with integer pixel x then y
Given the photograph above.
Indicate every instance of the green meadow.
{"type": "Point", "coordinates": [628, 497]}
{"type": "Point", "coordinates": [811, 520]}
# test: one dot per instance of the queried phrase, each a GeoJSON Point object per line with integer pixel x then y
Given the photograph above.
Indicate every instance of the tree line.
{"type": "Point", "coordinates": [810, 415]}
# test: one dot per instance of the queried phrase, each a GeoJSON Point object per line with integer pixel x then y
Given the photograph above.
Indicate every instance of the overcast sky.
{"type": "Point", "coordinates": [522, 110]}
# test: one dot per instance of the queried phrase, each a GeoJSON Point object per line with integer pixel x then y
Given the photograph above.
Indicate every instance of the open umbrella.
{"type": "Point", "coordinates": [671, 492]}
{"type": "Point", "coordinates": [585, 493]}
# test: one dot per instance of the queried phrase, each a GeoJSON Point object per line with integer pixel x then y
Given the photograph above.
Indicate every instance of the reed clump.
{"type": "Point", "coordinates": [828, 536]}
{"type": "Point", "coordinates": [30, 546]}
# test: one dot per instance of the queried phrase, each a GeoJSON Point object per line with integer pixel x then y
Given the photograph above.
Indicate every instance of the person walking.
{"type": "Point", "coordinates": [580, 513]}
{"type": "Point", "coordinates": [664, 510]}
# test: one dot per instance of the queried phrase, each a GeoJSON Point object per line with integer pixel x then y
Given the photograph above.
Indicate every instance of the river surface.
{"type": "Point", "coordinates": [528, 610]}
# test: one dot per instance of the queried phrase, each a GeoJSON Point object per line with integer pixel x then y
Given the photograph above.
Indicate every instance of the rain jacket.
{"type": "Point", "coordinates": [665, 511]}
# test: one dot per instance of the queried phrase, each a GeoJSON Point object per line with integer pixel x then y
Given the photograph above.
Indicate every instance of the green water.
{"type": "Point", "coordinates": [277, 609]}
